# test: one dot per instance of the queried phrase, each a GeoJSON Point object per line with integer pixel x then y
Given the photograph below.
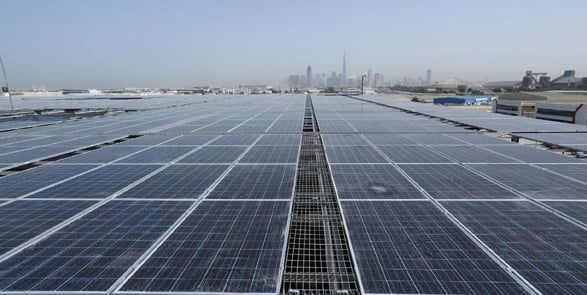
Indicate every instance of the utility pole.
{"type": "Point", "coordinates": [5, 88]}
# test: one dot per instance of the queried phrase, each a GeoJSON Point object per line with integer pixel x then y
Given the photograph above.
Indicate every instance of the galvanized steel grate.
{"type": "Point", "coordinates": [318, 257]}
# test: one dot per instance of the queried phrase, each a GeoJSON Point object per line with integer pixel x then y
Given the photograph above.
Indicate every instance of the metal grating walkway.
{"type": "Point", "coordinates": [318, 258]}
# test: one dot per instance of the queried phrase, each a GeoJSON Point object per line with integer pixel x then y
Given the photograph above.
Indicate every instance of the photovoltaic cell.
{"type": "Point", "coordinates": [271, 154]}
{"type": "Point", "coordinates": [18, 184]}
{"type": "Point", "coordinates": [534, 182]}
{"type": "Point", "coordinates": [99, 183]}
{"type": "Point", "coordinates": [432, 139]}
{"type": "Point", "coordinates": [147, 140]}
{"type": "Point", "coordinates": [479, 139]}
{"type": "Point", "coordinates": [455, 182]}
{"type": "Point", "coordinates": [215, 154]}
{"type": "Point", "coordinates": [412, 154]}
{"type": "Point", "coordinates": [281, 139]}
{"type": "Point", "coordinates": [102, 155]}
{"type": "Point", "coordinates": [256, 182]}
{"type": "Point", "coordinates": [93, 252]}
{"type": "Point", "coordinates": [472, 154]}
{"type": "Point", "coordinates": [372, 182]}
{"type": "Point", "coordinates": [192, 140]}
{"type": "Point", "coordinates": [21, 221]}
{"type": "Point", "coordinates": [160, 154]}
{"type": "Point", "coordinates": [413, 248]}
{"type": "Point", "coordinates": [389, 139]}
{"type": "Point", "coordinates": [343, 139]}
{"type": "Point", "coordinates": [236, 139]}
{"type": "Point", "coordinates": [177, 182]}
{"type": "Point", "coordinates": [548, 251]}
{"type": "Point", "coordinates": [574, 209]}
{"type": "Point", "coordinates": [532, 155]}
{"type": "Point", "coordinates": [578, 172]}
{"type": "Point", "coordinates": [221, 247]}
{"type": "Point", "coordinates": [353, 154]}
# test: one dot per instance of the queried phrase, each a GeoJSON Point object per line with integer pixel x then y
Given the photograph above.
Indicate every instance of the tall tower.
{"type": "Point", "coordinates": [344, 76]}
{"type": "Point", "coordinates": [428, 77]}
{"type": "Point", "coordinates": [370, 80]}
{"type": "Point", "coordinates": [309, 76]}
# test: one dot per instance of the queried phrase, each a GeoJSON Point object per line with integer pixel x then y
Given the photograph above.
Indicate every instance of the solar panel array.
{"type": "Point", "coordinates": [197, 197]}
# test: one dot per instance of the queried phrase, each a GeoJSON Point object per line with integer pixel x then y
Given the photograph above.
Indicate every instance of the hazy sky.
{"type": "Point", "coordinates": [122, 43]}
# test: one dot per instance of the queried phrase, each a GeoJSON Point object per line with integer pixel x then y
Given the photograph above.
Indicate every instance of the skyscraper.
{"type": "Point", "coordinates": [428, 77]}
{"type": "Point", "coordinates": [309, 76]}
{"type": "Point", "coordinates": [370, 79]}
{"type": "Point", "coordinates": [344, 76]}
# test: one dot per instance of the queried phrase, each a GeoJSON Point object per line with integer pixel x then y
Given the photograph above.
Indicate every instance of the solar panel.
{"type": "Point", "coordinates": [221, 247]}
{"type": "Point", "coordinates": [548, 251]}
{"type": "Point", "coordinates": [99, 183]}
{"type": "Point", "coordinates": [147, 140]}
{"type": "Point", "coordinates": [472, 154]}
{"type": "Point", "coordinates": [21, 221]}
{"type": "Point", "coordinates": [271, 154]}
{"type": "Point", "coordinates": [575, 209]}
{"type": "Point", "coordinates": [480, 139]}
{"type": "Point", "coordinates": [33, 154]}
{"type": "Point", "coordinates": [343, 139]}
{"type": "Point", "coordinates": [177, 182]}
{"type": "Point", "coordinates": [270, 139]}
{"type": "Point", "coordinates": [412, 154]}
{"type": "Point", "coordinates": [236, 139]}
{"type": "Point", "coordinates": [578, 171]}
{"type": "Point", "coordinates": [353, 154]}
{"type": "Point", "coordinates": [372, 182]}
{"type": "Point", "coordinates": [256, 182]}
{"type": "Point", "coordinates": [159, 154]}
{"type": "Point", "coordinates": [432, 139]}
{"type": "Point", "coordinates": [94, 251]}
{"type": "Point", "coordinates": [532, 155]}
{"type": "Point", "coordinates": [534, 182]}
{"type": "Point", "coordinates": [191, 140]}
{"type": "Point", "coordinates": [103, 155]}
{"type": "Point", "coordinates": [389, 139]}
{"type": "Point", "coordinates": [455, 182]}
{"type": "Point", "coordinates": [214, 154]}
{"type": "Point", "coordinates": [18, 184]}
{"type": "Point", "coordinates": [411, 247]}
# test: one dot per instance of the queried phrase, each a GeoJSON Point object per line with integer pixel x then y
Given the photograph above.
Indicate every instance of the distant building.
{"type": "Point", "coordinates": [428, 77]}
{"type": "Point", "coordinates": [343, 80]}
{"type": "Point", "coordinates": [309, 76]}
{"type": "Point", "coordinates": [370, 79]}
{"type": "Point", "coordinates": [464, 100]}
{"type": "Point", "coordinates": [456, 85]}
{"type": "Point", "coordinates": [568, 80]}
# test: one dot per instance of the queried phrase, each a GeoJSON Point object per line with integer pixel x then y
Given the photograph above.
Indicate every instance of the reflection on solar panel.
{"type": "Point", "coordinates": [546, 250]}
{"type": "Point", "coordinates": [455, 182]}
{"type": "Point", "coordinates": [372, 182]}
{"type": "Point", "coordinates": [222, 246]}
{"type": "Point", "coordinates": [177, 182]}
{"type": "Point", "coordinates": [91, 253]}
{"type": "Point", "coordinates": [256, 182]}
{"type": "Point", "coordinates": [411, 247]}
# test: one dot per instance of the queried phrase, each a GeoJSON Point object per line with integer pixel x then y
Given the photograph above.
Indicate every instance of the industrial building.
{"type": "Point", "coordinates": [562, 112]}
{"type": "Point", "coordinates": [288, 194]}
{"type": "Point", "coordinates": [514, 107]}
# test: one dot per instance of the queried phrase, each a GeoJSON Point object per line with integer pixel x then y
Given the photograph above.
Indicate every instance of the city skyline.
{"type": "Point", "coordinates": [114, 44]}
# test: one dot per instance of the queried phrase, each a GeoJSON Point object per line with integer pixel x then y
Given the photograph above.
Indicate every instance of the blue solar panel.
{"type": "Point", "coordinates": [236, 139]}
{"type": "Point", "coordinates": [93, 252]}
{"type": "Point", "coordinates": [221, 247]}
{"type": "Point", "coordinates": [24, 182]}
{"type": "Point", "coordinates": [548, 251]}
{"type": "Point", "coordinates": [472, 154]}
{"type": "Point", "coordinates": [389, 139]}
{"type": "Point", "coordinates": [160, 154]}
{"type": "Point", "coordinates": [534, 182]}
{"type": "Point", "coordinates": [353, 154]}
{"type": "Point", "coordinates": [455, 182]}
{"type": "Point", "coordinates": [578, 172]}
{"type": "Point", "coordinates": [412, 248]}
{"type": "Point", "coordinates": [372, 182]}
{"type": "Point", "coordinates": [99, 183]}
{"type": "Point", "coordinates": [177, 182]}
{"type": "Point", "coordinates": [103, 155]}
{"type": "Point", "coordinates": [532, 155]}
{"type": "Point", "coordinates": [574, 209]}
{"type": "Point", "coordinates": [192, 140]}
{"type": "Point", "coordinates": [271, 154]}
{"type": "Point", "coordinates": [344, 139]}
{"type": "Point", "coordinates": [412, 154]}
{"type": "Point", "coordinates": [269, 139]}
{"type": "Point", "coordinates": [256, 182]}
{"type": "Point", "coordinates": [21, 221]}
{"type": "Point", "coordinates": [215, 154]}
